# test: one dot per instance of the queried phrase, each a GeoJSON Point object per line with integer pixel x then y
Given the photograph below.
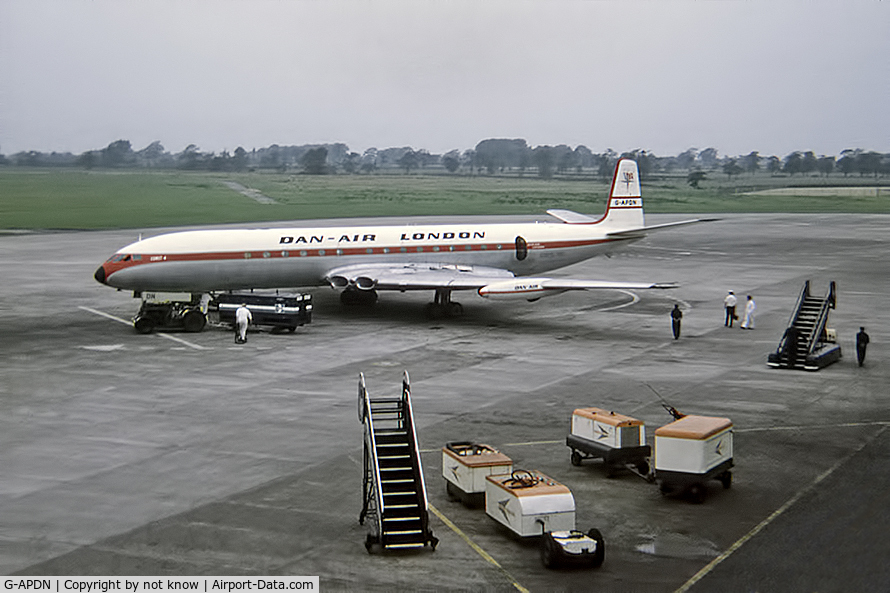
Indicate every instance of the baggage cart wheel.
{"type": "Point", "coordinates": [600, 554]}
{"type": "Point", "coordinates": [576, 457]}
{"type": "Point", "coordinates": [549, 557]}
{"type": "Point", "coordinates": [451, 492]}
{"type": "Point", "coordinates": [697, 493]}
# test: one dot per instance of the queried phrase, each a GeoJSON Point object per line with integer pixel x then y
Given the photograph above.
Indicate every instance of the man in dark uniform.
{"type": "Point", "coordinates": [792, 337]}
{"type": "Point", "coordinates": [861, 345]}
{"type": "Point", "coordinates": [676, 316]}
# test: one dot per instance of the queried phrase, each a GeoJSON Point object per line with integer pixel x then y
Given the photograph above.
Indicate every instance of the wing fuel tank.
{"type": "Point", "coordinates": [529, 289]}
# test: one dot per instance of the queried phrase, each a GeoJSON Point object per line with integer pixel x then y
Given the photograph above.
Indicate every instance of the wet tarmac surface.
{"type": "Point", "coordinates": [185, 454]}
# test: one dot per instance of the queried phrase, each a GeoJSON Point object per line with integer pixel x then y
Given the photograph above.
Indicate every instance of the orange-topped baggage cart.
{"type": "Point", "coordinates": [691, 451]}
{"type": "Point", "coordinates": [619, 440]}
{"type": "Point", "coordinates": [465, 466]}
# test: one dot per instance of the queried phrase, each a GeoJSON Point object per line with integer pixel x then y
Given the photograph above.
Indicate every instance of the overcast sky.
{"type": "Point", "coordinates": [664, 76]}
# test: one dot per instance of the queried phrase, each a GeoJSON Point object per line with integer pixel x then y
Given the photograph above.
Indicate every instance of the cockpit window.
{"type": "Point", "coordinates": [119, 257]}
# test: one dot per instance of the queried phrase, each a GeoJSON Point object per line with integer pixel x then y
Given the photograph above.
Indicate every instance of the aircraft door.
{"type": "Point", "coordinates": [521, 248]}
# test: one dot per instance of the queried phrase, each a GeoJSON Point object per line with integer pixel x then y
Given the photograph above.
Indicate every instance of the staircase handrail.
{"type": "Point", "coordinates": [415, 452]}
{"type": "Point", "coordinates": [369, 434]}
{"type": "Point", "coordinates": [821, 320]}
{"type": "Point", "coordinates": [804, 293]}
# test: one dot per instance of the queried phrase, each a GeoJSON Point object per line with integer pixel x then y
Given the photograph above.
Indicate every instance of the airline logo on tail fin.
{"type": "Point", "coordinates": [626, 183]}
{"type": "Point", "coordinates": [625, 208]}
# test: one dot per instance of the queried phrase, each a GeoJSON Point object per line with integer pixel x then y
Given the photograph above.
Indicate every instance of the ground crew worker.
{"type": "Point", "coordinates": [861, 345]}
{"type": "Point", "coordinates": [792, 337]}
{"type": "Point", "coordinates": [242, 320]}
{"type": "Point", "coordinates": [676, 316]}
{"type": "Point", "coordinates": [729, 304]}
{"type": "Point", "coordinates": [748, 323]}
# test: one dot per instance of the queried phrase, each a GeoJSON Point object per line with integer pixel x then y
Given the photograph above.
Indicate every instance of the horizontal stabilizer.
{"type": "Point", "coordinates": [570, 217]}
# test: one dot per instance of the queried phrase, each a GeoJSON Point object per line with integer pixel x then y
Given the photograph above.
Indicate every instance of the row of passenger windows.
{"type": "Point", "coordinates": [521, 251]}
{"type": "Point", "coordinates": [370, 250]}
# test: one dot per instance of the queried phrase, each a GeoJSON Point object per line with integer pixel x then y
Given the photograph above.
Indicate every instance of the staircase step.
{"type": "Point", "coordinates": [405, 546]}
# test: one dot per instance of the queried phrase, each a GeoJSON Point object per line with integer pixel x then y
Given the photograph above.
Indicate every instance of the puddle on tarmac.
{"type": "Point", "coordinates": [675, 545]}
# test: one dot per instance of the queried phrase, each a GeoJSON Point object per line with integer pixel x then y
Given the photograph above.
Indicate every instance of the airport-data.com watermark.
{"type": "Point", "coordinates": [159, 584]}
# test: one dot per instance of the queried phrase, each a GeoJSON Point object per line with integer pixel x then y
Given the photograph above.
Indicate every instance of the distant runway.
{"type": "Point", "coordinates": [185, 454]}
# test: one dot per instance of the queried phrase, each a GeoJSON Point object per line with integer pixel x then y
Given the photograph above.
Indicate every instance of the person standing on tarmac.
{"type": "Point", "coordinates": [242, 320]}
{"type": "Point", "coordinates": [676, 316]}
{"type": "Point", "coordinates": [729, 304]}
{"type": "Point", "coordinates": [861, 345]}
{"type": "Point", "coordinates": [748, 323]}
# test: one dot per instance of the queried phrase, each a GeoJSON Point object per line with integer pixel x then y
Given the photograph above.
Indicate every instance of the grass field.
{"type": "Point", "coordinates": [77, 199]}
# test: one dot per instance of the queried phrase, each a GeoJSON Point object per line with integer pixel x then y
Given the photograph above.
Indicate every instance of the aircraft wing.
{"type": "Point", "coordinates": [416, 276]}
{"type": "Point", "coordinates": [489, 282]}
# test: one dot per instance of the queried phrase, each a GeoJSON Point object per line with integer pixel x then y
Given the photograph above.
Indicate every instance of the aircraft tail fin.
{"type": "Point", "coordinates": [625, 207]}
{"type": "Point", "coordinates": [624, 210]}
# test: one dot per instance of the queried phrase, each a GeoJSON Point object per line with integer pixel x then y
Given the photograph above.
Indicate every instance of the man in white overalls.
{"type": "Point", "coordinates": [242, 320]}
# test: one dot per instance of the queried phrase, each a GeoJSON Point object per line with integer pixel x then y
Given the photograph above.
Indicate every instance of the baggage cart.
{"type": "Point", "coordinates": [619, 440]}
{"type": "Point", "coordinates": [531, 504]}
{"type": "Point", "coordinates": [465, 466]}
{"type": "Point", "coordinates": [691, 451]}
{"type": "Point", "coordinates": [281, 311]}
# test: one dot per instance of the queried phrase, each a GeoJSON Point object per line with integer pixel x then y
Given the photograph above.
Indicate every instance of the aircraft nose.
{"type": "Point", "coordinates": [100, 275]}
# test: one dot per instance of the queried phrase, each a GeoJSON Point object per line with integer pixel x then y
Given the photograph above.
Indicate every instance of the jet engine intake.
{"type": "Point", "coordinates": [365, 283]}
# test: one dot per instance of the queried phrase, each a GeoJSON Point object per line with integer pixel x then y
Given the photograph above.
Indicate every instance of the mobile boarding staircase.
{"type": "Point", "coordinates": [816, 346]}
{"type": "Point", "coordinates": [393, 491]}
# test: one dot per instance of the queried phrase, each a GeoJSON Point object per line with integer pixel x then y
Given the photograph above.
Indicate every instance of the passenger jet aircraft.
{"type": "Point", "coordinates": [498, 261]}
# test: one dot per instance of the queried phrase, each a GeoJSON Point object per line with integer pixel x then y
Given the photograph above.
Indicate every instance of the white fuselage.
{"type": "Point", "coordinates": [215, 260]}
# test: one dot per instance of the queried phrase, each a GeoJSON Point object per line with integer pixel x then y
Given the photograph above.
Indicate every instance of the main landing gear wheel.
{"type": "Point", "coordinates": [443, 306]}
{"type": "Point", "coordinates": [353, 297]}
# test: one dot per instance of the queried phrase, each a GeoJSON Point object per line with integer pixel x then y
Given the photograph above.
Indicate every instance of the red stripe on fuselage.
{"type": "Point", "coordinates": [142, 259]}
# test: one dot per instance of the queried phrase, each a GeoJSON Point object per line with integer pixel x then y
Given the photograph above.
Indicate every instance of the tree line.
{"type": "Point", "coordinates": [494, 156]}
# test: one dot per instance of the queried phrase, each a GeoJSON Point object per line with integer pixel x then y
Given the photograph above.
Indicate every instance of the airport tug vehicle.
{"type": "Point", "coordinates": [171, 310]}
{"type": "Point", "coordinates": [691, 451]}
{"type": "Point", "coordinates": [619, 440]}
{"type": "Point", "coordinates": [530, 504]}
{"type": "Point", "coordinates": [465, 465]}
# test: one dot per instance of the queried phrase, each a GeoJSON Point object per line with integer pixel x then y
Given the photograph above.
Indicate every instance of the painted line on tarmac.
{"type": "Point", "coordinates": [476, 547]}
{"type": "Point", "coordinates": [815, 426]}
{"type": "Point", "coordinates": [634, 299]}
{"type": "Point", "coordinates": [778, 512]}
{"type": "Point", "coordinates": [125, 322]}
